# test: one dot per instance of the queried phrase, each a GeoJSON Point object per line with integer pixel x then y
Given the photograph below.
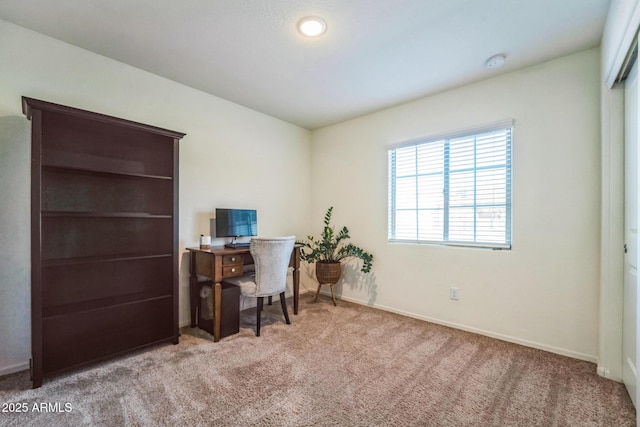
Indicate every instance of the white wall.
{"type": "Point", "coordinates": [15, 253]}
{"type": "Point", "coordinates": [544, 292]}
{"type": "Point", "coordinates": [231, 157]}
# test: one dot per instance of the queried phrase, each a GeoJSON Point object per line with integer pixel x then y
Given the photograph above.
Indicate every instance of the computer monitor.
{"type": "Point", "coordinates": [236, 223]}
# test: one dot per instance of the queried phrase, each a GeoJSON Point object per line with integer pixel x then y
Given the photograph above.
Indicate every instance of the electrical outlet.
{"type": "Point", "coordinates": [454, 293]}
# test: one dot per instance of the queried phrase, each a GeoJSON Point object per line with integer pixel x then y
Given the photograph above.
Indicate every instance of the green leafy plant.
{"type": "Point", "coordinates": [332, 246]}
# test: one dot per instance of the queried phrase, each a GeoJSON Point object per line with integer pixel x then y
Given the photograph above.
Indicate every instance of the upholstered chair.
{"type": "Point", "coordinates": [271, 257]}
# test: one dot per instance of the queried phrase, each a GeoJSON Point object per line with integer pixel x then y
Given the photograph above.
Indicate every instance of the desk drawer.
{"type": "Point", "coordinates": [232, 265]}
{"type": "Point", "coordinates": [232, 259]}
{"type": "Point", "coordinates": [231, 270]}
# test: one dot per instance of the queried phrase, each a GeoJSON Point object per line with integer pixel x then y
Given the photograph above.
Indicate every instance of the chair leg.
{"type": "Point", "coordinates": [283, 302]}
{"type": "Point", "coordinates": [270, 299]}
{"type": "Point", "coordinates": [333, 295]}
{"type": "Point", "coordinates": [317, 292]}
{"type": "Point", "coordinates": [259, 310]}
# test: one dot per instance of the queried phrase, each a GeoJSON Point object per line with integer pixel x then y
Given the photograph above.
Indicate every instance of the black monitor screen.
{"type": "Point", "coordinates": [236, 222]}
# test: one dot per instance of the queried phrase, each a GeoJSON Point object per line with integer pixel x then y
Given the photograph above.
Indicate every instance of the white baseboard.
{"type": "Point", "coordinates": [11, 369]}
{"type": "Point", "coordinates": [604, 372]}
{"type": "Point", "coordinates": [508, 338]}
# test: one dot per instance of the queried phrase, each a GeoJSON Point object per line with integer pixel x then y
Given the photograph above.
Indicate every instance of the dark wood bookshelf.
{"type": "Point", "coordinates": [104, 236]}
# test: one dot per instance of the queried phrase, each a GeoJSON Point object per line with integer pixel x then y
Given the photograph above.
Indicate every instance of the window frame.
{"type": "Point", "coordinates": [474, 131]}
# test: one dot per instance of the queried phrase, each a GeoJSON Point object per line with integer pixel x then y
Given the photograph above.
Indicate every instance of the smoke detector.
{"type": "Point", "coordinates": [495, 61]}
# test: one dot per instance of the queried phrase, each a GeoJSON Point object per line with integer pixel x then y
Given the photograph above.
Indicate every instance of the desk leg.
{"type": "Point", "coordinates": [296, 289]}
{"type": "Point", "coordinates": [217, 300]}
{"type": "Point", "coordinates": [193, 298]}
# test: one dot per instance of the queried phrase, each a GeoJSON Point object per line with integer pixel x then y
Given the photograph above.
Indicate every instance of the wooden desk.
{"type": "Point", "coordinates": [218, 263]}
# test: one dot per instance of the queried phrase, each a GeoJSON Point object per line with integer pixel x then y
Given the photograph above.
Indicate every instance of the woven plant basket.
{"type": "Point", "coordinates": [328, 273]}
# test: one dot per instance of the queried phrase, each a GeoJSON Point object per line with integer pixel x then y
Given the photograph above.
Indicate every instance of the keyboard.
{"type": "Point", "coordinates": [236, 245]}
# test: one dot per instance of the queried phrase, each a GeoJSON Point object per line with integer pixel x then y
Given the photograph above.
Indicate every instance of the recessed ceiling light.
{"type": "Point", "coordinates": [495, 61]}
{"type": "Point", "coordinates": [312, 26]}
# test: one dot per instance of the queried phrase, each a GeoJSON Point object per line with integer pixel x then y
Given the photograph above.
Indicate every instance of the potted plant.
{"type": "Point", "coordinates": [329, 250]}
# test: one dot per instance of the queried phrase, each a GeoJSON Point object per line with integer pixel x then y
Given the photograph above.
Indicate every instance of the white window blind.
{"type": "Point", "coordinates": [453, 189]}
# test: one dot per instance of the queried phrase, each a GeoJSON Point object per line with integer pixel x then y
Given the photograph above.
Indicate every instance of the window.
{"type": "Point", "coordinates": [453, 189]}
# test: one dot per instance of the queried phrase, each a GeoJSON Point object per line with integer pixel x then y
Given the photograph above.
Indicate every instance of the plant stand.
{"type": "Point", "coordinates": [333, 295]}
{"type": "Point", "coordinates": [328, 273]}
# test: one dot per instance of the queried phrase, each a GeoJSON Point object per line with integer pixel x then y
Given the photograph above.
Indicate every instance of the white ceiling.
{"type": "Point", "coordinates": [375, 54]}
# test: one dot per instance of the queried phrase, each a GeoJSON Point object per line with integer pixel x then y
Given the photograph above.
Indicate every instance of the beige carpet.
{"type": "Point", "coordinates": [345, 366]}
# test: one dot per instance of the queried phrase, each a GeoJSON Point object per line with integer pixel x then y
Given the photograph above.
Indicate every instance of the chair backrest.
{"type": "Point", "coordinates": [271, 257]}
